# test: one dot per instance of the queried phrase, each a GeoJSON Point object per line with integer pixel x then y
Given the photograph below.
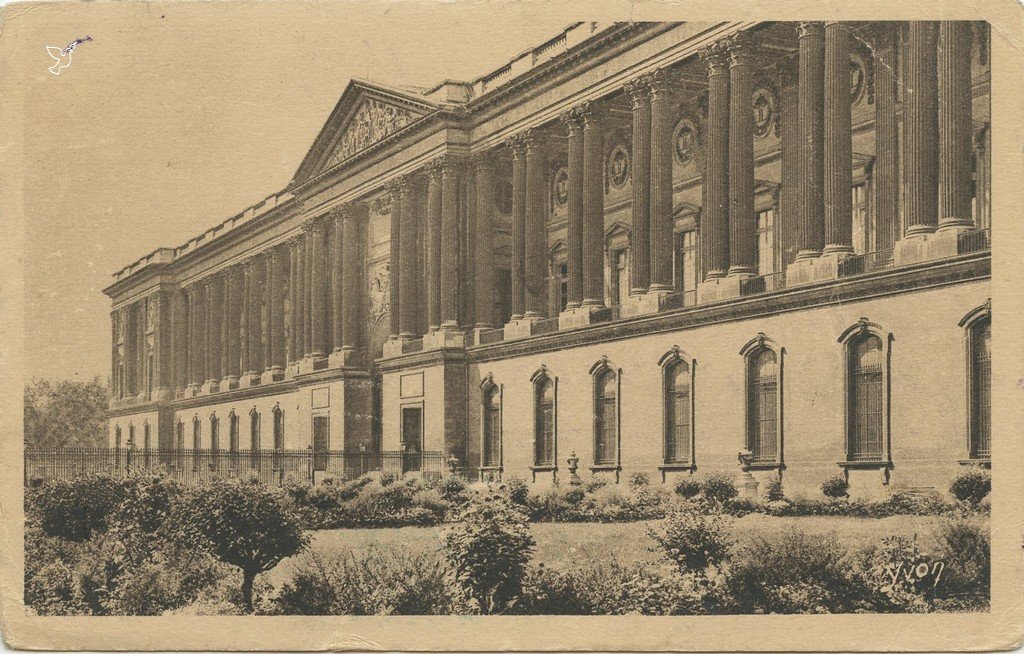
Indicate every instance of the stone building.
{"type": "Point", "coordinates": [664, 248]}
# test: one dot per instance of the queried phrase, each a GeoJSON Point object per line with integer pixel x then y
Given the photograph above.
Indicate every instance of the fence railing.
{"type": "Point", "coordinates": [272, 467]}
{"type": "Point", "coordinates": [763, 283]}
{"type": "Point", "coordinates": [865, 263]}
{"type": "Point", "coordinates": [976, 240]}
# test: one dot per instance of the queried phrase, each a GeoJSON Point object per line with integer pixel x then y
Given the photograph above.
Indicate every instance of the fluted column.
{"type": "Point", "coordinates": [227, 299]}
{"type": "Point", "coordinates": [467, 246]}
{"type": "Point", "coordinates": [408, 273]}
{"type": "Point", "coordinates": [483, 259]}
{"type": "Point", "coordinates": [450, 243]}
{"type": "Point", "coordinates": [351, 279]}
{"type": "Point", "coordinates": [300, 296]}
{"type": "Point", "coordinates": [955, 127]}
{"type": "Point", "coordinates": [233, 288]}
{"type": "Point", "coordinates": [256, 316]}
{"type": "Point", "coordinates": [194, 351]}
{"type": "Point", "coordinates": [574, 208]}
{"type": "Point", "coordinates": [209, 329]}
{"type": "Point", "coordinates": [640, 244]}
{"type": "Point", "coordinates": [921, 129]}
{"type": "Point", "coordinates": [180, 345]}
{"type": "Point", "coordinates": [337, 274]}
{"type": "Point", "coordinates": [593, 206]}
{"type": "Point", "coordinates": [318, 294]}
{"type": "Point", "coordinates": [810, 125]}
{"type": "Point", "coordinates": [216, 300]}
{"type": "Point", "coordinates": [269, 306]}
{"type": "Point", "coordinates": [517, 150]}
{"type": "Point", "coordinates": [394, 261]}
{"type": "Point", "coordinates": [277, 315]}
{"type": "Point", "coordinates": [243, 320]}
{"type": "Point", "coordinates": [714, 223]}
{"type": "Point", "coordinates": [838, 171]}
{"type": "Point", "coordinates": [664, 114]}
{"type": "Point", "coordinates": [308, 299]}
{"type": "Point", "coordinates": [742, 223]}
{"type": "Point", "coordinates": [886, 170]}
{"type": "Point", "coordinates": [433, 249]}
{"type": "Point", "coordinates": [202, 373]}
{"type": "Point", "coordinates": [536, 237]}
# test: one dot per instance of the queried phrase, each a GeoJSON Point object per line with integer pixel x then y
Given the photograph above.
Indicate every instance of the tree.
{"type": "Point", "coordinates": [243, 524]}
{"type": "Point", "coordinates": [65, 412]}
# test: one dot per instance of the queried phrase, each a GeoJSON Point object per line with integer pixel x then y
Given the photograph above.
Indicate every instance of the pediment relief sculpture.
{"type": "Point", "coordinates": [370, 122]}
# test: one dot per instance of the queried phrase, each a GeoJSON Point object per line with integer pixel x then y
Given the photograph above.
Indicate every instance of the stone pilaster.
{"type": "Point", "coordinates": [433, 247]}
{"type": "Point", "coordinates": [318, 295]}
{"type": "Point", "coordinates": [337, 274]}
{"type": "Point", "coordinates": [352, 294]}
{"type": "Point", "coordinates": [811, 128]}
{"type": "Point", "coordinates": [640, 245]}
{"type": "Point", "coordinates": [955, 127]}
{"type": "Point", "coordinates": [742, 223]}
{"type": "Point", "coordinates": [593, 205]}
{"type": "Point", "coordinates": [574, 208]}
{"type": "Point", "coordinates": [838, 170]}
{"type": "Point", "coordinates": [394, 261]}
{"type": "Point", "coordinates": [886, 170]}
{"type": "Point", "coordinates": [483, 259]}
{"type": "Point", "coordinates": [714, 223]}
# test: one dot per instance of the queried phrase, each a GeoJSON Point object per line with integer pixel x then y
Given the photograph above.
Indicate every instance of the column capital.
{"type": "Point", "coordinates": [394, 188]}
{"type": "Point", "coordinates": [638, 90]}
{"type": "Point", "coordinates": [592, 114]}
{"type": "Point", "coordinates": [515, 144]}
{"type": "Point", "coordinates": [716, 58]}
{"type": "Point", "coordinates": [572, 118]}
{"type": "Point", "coordinates": [450, 164]}
{"type": "Point", "coordinates": [810, 28]}
{"type": "Point", "coordinates": [664, 81]}
{"type": "Point", "coordinates": [533, 142]}
{"type": "Point", "coordinates": [483, 160]}
{"type": "Point", "coordinates": [742, 50]}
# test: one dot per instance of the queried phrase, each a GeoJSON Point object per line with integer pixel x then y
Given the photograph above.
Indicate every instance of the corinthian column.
{"type": "Point", "coordinates": [640, 245]}
{"type": "Point", "coordinates": [593, 206]}
{"type": "Point", "coordinates": [921, 129]}
{"type": "Point", "coordinates": [351, 279]}
{"type": "Point", "coordinates": [407, 273]}
{"type": "Point", "coordinates": [450, 243]}
{"type": "Point", "coordinates": [434, 183]}
{"type": "Point", "coordinates": [483, 259]}
{"type": "Point", "coordinates": [517, 150]}
{"type": "Point", "coordinates": [886, 172]}
{"type": "Point", "coordinates": [810, 125]}
{"type": "Point", "coordinates": [536, 237]}
{"type": "Point", "coordinates": [664, 114]}
{"type": "Point", "coordinates": [319, 290]}
{"type": "Point", "coordinates": [278, 344]}
{"type": "Point", "coordinates": [336, 275]}
{"type": "Point", "coordinates": [574, 208]}
{"type": "Point", "coordinates": [269, 307]}
{"type": "Point", "coordinates": [955, 128]}
{"type": "Point", "coordinates": [216, 295]}
{"type": "Point", "coordinates": [838, 170]}
{"type": "Point", "coordinates": [232, 305]}
{"type": "Point", "coordinates": [394, 260]}
{"type": "Point", "coordinates": [714, 224]}
{"type": "Point", "coordinates": [741, 159]}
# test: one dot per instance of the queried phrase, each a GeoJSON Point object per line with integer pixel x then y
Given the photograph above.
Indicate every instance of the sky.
{"type": "Point", "coordinates": [175, 117]}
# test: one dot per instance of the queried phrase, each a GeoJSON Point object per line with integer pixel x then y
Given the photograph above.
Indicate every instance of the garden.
{"type": "Point", "coordinates": [382, 545]}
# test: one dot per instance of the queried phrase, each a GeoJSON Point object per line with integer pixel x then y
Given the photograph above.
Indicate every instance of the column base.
{"type": "Point", "coordinates": [311, 363]}
{"type": "Point", "coordinates": [588, 314]}
{"type": "Point", "coordinates": [229, 383]}
{"type": "Point", "coordinates": [444, 338]}
{"type": "Point", "coordinates": [248, 380]}
{"type": "Point", "coordinates": [941, 244]}
{"type": "Point", "coordinates": [395, 347]}
{"type": "Point", "coordinates": [648, 302]}
{"type": "Point", "coordinates": [720, 288]}
{"type": "Point", "coordinates": [192, 390]}
{"type": "Point", "coordinates": [162, 393]}
{"type": "Point", "coordinates": [209, 386]}
{"type": "Point", "coordinates": [345, 358]}
{"type": "Point", "coordinates": [521, 327]}
{"type": "Point", "coordinates": [815, 269]}
{"type": "Point", "coordinates": [269, 376]}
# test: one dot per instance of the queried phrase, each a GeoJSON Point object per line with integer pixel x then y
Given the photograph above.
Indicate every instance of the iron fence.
{"type": "Point", "coordinates": [975, 240]}
{"type": "Point", "coordinates": [189, 466]}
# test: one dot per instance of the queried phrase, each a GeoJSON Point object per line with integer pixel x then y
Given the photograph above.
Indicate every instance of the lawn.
{"type": "Point", "coordinates": [560, 544]}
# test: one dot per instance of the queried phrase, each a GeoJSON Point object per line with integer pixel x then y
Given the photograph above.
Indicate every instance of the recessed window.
{"type": "Point", "coordinates": [278, 436]}
{"type": "Point", "coordinates": [233, 439]}
{"type": "Point", "coordinates": [606, 423]}
{"type": "Point", "coordinates": [214, 442]}
{"type": "Point", "coordinates": [863, 232]}
{"type": "Point", "coordinates": [685, 264]}
{"type": "Point", "coordinates": [146, 444]}
{"type": "Point", "coordinates": [764, 243]}
{"type": "Point", "coordinates": [678, 418]}
{"type": "Point", "coordinates": [865, 409]}
{"type": "Point", "coordinates": [254, 438]}
{"type": "Point", "coordinates": [544, 422]}
{"type": "Point", "coordinates": [980, 388]}
{"type": "Point", "coordinates": [763, 405]}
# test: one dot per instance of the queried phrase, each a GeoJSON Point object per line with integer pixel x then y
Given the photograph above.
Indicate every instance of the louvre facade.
{"type": "Point", "coordinates": [661, 248]}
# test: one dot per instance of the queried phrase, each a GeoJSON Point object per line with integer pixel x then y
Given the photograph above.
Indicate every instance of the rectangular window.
{"type": "Point", "coordinates": [563, 285]}
{"type": "Point", "coordinates": [412, 438]}
{"type": "Point", "coordinates": [765, 242]}
{"type": "Point", "coordinates": [685, 264]}
{"type": "Point", "coordinates": [544, 423]}
{"type": "Point", "coordinates": [321, 442]}
{"type": "Point", "coordinates": [863, 232]}
{"type": "Point", "coordinates": [981, 391]}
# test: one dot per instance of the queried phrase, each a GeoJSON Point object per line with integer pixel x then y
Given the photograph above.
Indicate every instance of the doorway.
{"type": "Point", "coordinates": [412, 438]}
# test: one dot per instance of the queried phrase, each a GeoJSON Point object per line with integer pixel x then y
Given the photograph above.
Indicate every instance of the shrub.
{"type": "Point", "coordinates": [719, 487]}
{"type": "Point", "coordinates": [688, 487]}
{"type": "Point", "coordinates": [488, 548]}
{"type": "Point", "coordinates": [244, 525]}
{"type": "Point", "coordinates": [638, 480]}
{"type": "Point", "coordinates": [835, 487]}
{"type": "Point", "coordinates": [971, 485]}
{"type": "Point", "coordinates": [692, 540]}
{"type": "Point", "coordinates": [965, 550]}
{"type": "Point", "coordinates": [453, 489]}
{"type": "Point", "coordinates": [773, 491]}
{"type": "Point", "coordinates": [75, 508]}
{"type": "Point", "coordinates": [391, 582]}
{"type": "Point", "coordinates": [887, 582]}
{"type": "Point", "coordinates": [149, 500]}
{"type": "Point", "coordinates": [518, 491]}
{"type": "Point", "coordinates": [388, 478]}
{"type": "Point", "coordinates": [790, 572]}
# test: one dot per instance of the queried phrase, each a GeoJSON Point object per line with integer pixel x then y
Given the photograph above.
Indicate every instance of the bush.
{"type": "Point", "coordinates": [888, 584]}
{"type": "Point", "coordinates": [244, 525]}
{"type": "Point", "coordinates": [149, 500]}
{"type": "Point", "coordinates": [688, 487]}
{"type": "Point", "coordinates": [773, 491]}
{"type": "Point", "coordinates": [639, 480]}
{"type": "Point", "coordinates": [835, 487]}
{"type": "Point", "coordinates": [488, 548]}
{"type": "Point", "coordinates": [377, 583]}
{"type": "Point", "coordinates": [74, 508]}
{"type": "Point", "coordinates": [719, 487]}
{"type": "Point", "coordinates": [518, 491]}
{"type": "Point", "coordinates": [971, 485]}
{"type": "Point", "coordinates": [692, 540]}
{"type": "Point", "coordinates": [965, 551]}
{"type": "Point", "coordinates": [453, 489]}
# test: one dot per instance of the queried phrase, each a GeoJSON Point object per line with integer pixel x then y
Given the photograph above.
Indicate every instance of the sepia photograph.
{"type": "Point", "coordinates": [359, 309]}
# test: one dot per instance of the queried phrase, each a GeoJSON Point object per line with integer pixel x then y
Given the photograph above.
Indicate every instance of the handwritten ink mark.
{"type": "Point", "coordinates": [63, 56]}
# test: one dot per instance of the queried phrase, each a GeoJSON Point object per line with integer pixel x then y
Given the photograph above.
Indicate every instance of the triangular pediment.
{"type": "Point", "coordinates": [366, 114]}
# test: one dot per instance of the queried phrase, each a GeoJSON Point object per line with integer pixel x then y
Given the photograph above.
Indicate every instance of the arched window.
{"type": "Point", "coordinates": [867, 393]}
{"type": "Point", "coordinates": [544, 443]}
{"type": "Point", "coordinates": [233, 439]}
{"type": "Point", "coordinates": [606, 417]}
{"type": "Point", "coordinates": [254, 438]}
{"type": "Point", "coordinates": [763, 401]}
{"type": "Point", "coordinates": [179, 443]}
{"type": "Point", "coordinates": [678, 403]}
{"type": "Point", "coordinates": [131, 434]}
{"type": "Point", "coordinates": [978, 325]}
{"type": "Point", "coordinates": [491, 426]}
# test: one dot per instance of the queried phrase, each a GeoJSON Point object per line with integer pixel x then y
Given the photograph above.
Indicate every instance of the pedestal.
{"type": "Point", "coordinates": [582, 316]}
{"type": "Point", "coordinates": [520, 328]}
{"type": "Point", "coordinates": [815, 269]}
{"type": "Point", "coordinates": [440, 339]}
{"type": "Point", "coordinates": [229, 383]}
{"type": "Point", "coordinates": [721, 288]}
{"type": "Point", "coordinates": [345, 358]}
{"type": "Point", "coordinates": [645, 303]}
{"type": "Point", "coordinates": [918, 248]}
{"type": "Point", "coordinates": [248, 380]}
{"type": "Point", "coordinates": [394, 347]}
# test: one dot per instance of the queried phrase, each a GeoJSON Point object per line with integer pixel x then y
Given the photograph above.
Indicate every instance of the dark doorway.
{"type": "Point", "coordinates": [412, 438]}
{"type": "Point", "coordinates": [321, 441]}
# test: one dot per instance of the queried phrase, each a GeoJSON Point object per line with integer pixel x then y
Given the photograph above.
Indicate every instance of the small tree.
{"type": "Point", "coordinates": [244, 525]}
{"type": "Point", "coordinates": [488, 549]}
{"type": "Point", "coordinates": [835, 487]}
{"type": "Point", "coordinates": [692, 540]}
